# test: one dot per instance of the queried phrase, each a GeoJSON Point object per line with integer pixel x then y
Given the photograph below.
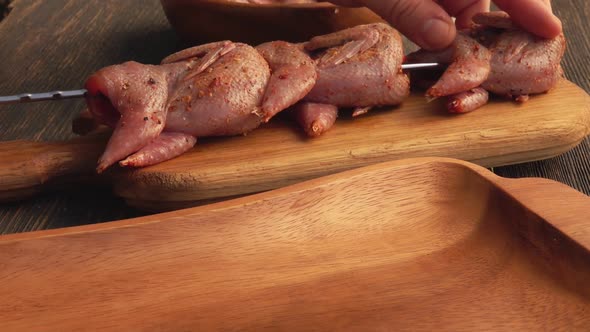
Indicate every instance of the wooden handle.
{"type": "Point", "coordinates": [27, 167]}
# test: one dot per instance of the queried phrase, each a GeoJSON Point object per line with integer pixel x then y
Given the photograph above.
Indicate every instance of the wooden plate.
{"type": "Point", "coordinates": [419, 244]}
{"type": "Point", "coordinates": [278, 154]}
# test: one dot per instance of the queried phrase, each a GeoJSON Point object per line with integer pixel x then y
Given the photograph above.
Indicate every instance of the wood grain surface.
{"type": "Point", "coordinates": [410, 245]}
{"type": "Point", "coordinates": [55, 44]}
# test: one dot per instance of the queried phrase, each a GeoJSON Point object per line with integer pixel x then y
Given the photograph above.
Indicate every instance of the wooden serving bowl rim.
{"type": "Point", "coordinates": [229, 3]}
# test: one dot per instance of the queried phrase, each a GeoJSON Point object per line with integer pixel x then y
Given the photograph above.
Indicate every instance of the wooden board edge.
{"type": "Point", "coordinates": [162, 205]}
{"type": "Point", "coordinates": [581, 208]}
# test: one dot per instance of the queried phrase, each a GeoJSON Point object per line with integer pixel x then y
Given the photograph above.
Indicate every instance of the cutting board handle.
{"type": "Point", "coordinates": [27, 167]}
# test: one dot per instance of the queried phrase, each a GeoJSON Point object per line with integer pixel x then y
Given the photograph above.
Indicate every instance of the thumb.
{"type": "Point", "coordinates": [533, 15]}
{"type": "Point", "coordinates": [423, 21]}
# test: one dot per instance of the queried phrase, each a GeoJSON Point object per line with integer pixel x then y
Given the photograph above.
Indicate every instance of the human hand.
{"type": "Point", "coordinates": [428, 23]}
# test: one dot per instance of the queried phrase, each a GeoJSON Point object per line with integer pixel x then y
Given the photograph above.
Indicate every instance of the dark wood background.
{"type": "Point", "coordinates": [56, 44]}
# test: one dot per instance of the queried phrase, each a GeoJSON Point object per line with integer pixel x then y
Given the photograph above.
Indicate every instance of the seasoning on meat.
{"type": "Point", "coordinates": [518, 64]}
{"type": "Point", "coordinates": [358, 67]}
{"type": "Point", "coordinates": [227, 88]}
{"type": "Point", "coordinates": [202, 92]}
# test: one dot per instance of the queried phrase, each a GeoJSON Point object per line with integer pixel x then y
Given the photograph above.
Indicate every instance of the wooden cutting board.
{"type": "Point", "coordinates": [410, 245]}
{"type": "Point", "coordinates": [278, 154]}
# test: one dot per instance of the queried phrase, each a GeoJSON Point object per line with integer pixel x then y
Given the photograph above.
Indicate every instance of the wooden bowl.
{"type": "Point", "coordinates": [201, 21]}
{"type": "Point", "coordinates": [413, 245]}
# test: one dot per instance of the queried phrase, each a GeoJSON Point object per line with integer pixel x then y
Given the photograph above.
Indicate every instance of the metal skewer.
{"type": "Point", "coordinates": [419, 65]}
{"type": "Point", "coordinates": [31, 97]}
{"type": "Point", "coordinates": [81, 93]}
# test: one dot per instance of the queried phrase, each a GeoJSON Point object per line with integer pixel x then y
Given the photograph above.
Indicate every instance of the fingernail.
{"type": "Point", "coordinates": [436, 33]}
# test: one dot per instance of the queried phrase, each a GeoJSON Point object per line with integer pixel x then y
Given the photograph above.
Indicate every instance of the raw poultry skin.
{"type": "Point", "coordinates": [217, 89]}
{"type": "Point", "coordinates": [358, 68]}
{"type": "Point", "coordinates": [493, 56]}
{"type": "Point", "coordinates": [227, 88]}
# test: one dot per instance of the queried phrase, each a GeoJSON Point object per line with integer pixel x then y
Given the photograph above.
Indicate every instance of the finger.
{"type": "Point", "coordinates": [463, 10]}
{"type": "Point", "coordinates": [422, 21]}
{"type": "Point", "coordinates": [533, 15]}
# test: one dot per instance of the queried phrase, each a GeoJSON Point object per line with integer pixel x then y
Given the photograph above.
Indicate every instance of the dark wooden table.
{"type": "Point", "coordinates": [56, 44]}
